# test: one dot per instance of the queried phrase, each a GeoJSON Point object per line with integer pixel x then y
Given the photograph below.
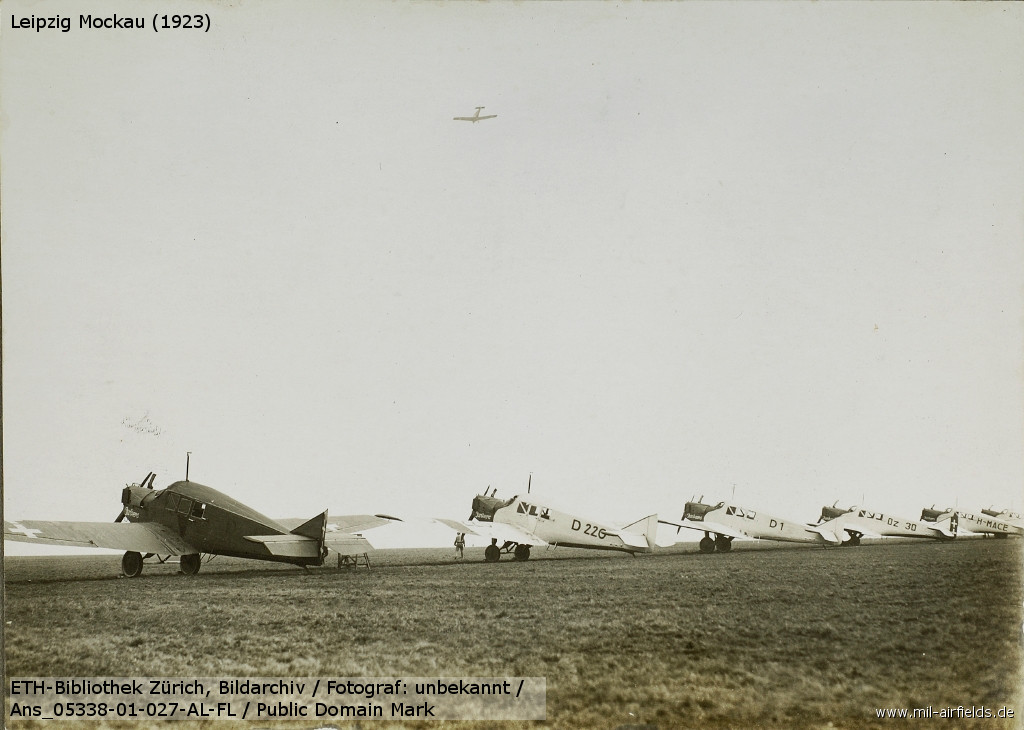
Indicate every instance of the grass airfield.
{"type": "Point", "coordinates": [764, 636]}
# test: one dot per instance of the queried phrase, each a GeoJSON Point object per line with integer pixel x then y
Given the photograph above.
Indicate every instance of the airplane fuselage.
{"type": "Point", "coordinates": [209, 520]}
{"type": "Point", "coordinates": [879, 523]}
{"type": "Point", "coordinates": [561, 528]}
{"type": "Point", "coordinates": [755, 524]}
{"type": "Point", "coordinates": [983, 523]}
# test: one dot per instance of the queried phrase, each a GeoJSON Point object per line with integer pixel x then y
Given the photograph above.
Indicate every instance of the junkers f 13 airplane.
{"type": "Point", "coordinates": [728, 521]}
{"type": "Point", "coordinates": [990, 522]}
{"type": "Point", "coordinates": [517, 524]}
{"type": "Point", "coordinates": [188, 519]}
{"type": "Point", "coordinates": [859, 522]}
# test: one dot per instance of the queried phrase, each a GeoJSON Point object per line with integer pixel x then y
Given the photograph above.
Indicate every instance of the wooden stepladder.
{"type": "Point", "coordinates": [351, 562]}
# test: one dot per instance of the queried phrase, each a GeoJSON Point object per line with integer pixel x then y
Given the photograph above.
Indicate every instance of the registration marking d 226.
{"type": "Point", "coordinates": [589, 529]}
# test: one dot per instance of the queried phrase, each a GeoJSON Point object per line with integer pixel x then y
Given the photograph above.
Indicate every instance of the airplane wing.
{"type": "Point", "coordinates": [494, 530]}
{"type": "Point", "coordinates": [342, 523]}
{"type": "Point", "coordinates": [348, 544]}
{"type": "Point", "coordinates": [705, 526]}
{"type": "Point", "coordinates": [141, 537]}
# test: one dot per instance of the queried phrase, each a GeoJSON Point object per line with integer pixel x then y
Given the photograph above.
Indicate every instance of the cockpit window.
{"type": "Point", "coordinates": [172, 500]}
{"type": "Point", "coordinates": [184, 506]}
{"type": "Point", "coordinates": [719, 505]}
{"type": "Point", "coordinates": [198, 510]}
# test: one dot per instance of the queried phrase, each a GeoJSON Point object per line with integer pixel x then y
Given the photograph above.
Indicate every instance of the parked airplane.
{"type": "Point", "coordinates": [1014, 518]}
{"type": "Point", "coordinates": [984, 522]}
{"type": "Point", "coordinates": [188, 519]}
{"type": "Point", "coordinates": [729, 521]}
{"type": "Point", "coordinates": [476, 117]}
{"type": "Point", "coordinates": [859, 522]}
{"type": "Point", "coordinates": [515, 525]}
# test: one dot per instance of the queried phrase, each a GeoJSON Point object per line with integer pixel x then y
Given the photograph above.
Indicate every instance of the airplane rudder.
{"type": "Point", "coordinates": [647, 528]}
{"type": "Point", "coordinates": [651, 533]}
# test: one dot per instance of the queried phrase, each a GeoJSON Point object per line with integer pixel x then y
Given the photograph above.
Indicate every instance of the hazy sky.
{"type": "Point", "coordinates": [769, 247]}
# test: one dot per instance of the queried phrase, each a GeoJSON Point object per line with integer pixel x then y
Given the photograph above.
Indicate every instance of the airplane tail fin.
{"type": "Point", "coordinates": [641, 534]}
{"type": "Point", "coordinates": [307, 543]}
{"type": "Point", "coordinates": [832, 535]}
{"type": "Point", "coordinates": [946, 527]}
{"type": "Point", "coordinates": [315, 528]}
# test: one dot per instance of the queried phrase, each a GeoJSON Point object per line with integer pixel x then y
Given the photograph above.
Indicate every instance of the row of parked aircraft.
{"type": "Point", "coordinates": [187, 520]}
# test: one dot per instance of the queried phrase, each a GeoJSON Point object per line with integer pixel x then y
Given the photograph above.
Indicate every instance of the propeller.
{"type": "Point", "coordinates": [121, 516]}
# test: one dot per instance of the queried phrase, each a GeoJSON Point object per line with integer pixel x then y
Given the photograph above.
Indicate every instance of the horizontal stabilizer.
{"type": "Point", "coordinates": [291, 545]}
{"type": "Point", "coordinates": [946, 527]}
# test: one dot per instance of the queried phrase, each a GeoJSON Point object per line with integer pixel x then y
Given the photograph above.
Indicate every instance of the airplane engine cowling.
{"type": "Point", "coordinates": [485, 507]}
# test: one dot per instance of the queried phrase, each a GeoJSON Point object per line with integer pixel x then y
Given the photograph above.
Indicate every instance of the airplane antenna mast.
{"type": "Point", "coordinates": [188, 455]}
{"type": "Point", "coordinates": [529, 482]}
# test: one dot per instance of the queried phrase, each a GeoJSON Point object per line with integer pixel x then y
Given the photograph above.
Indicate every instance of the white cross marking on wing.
{"type": "Point", "coordinates": [26, 531]}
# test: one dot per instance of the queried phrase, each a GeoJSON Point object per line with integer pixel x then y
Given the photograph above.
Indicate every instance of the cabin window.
{"type": "Point", "coordinates": [184, 506]}
{"type": "Point", "coordinates": [198, 509]}
{"type": "Point", "coordinates": [172, 501]}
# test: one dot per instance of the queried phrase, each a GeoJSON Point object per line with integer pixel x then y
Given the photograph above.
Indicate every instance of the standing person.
{"type": "Point", "coordinates": [460, 543]}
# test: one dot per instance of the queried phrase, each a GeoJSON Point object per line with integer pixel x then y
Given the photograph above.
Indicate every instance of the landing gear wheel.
{"type": "Point", "coordinates": [131, 565]}
{"type": "Point", "coordinates": [492, 553]}
{"type": "Point", "coordinates": [723, 544]}
{"type": "Point", "coordinates": [190, 563]}
{"type": "Point", "coordinates": [522, 552]}
{"type": "Point", "coordinates": [707, 545]}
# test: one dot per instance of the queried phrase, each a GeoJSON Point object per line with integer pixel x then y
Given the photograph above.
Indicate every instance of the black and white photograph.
{"type": "Point", "coordinates": [628, 365]}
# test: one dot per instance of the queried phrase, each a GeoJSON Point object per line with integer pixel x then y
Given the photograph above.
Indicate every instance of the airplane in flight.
{"type": "Point", "coordinates": [728, 522]}
{"type": "Point", "coordinates": [517, 524]}
{"type": "Point", "coordinates": [187, 519]}
{"type": "Point", "coordinates": [987, 522]}
{"type": "Point", "coordinates": [859, 522]}
{"type": "Point", "coordinates": [476, 117]}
